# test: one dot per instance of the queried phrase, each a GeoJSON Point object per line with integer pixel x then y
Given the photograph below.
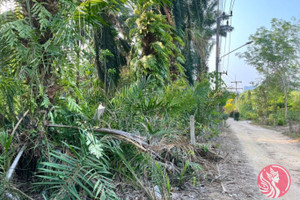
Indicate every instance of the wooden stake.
{"type": "Point", "coordinates": [192, 129]}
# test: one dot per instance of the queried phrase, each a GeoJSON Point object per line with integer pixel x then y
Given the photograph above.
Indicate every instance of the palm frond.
{"type": "Point", "coordinates": [79, 175]}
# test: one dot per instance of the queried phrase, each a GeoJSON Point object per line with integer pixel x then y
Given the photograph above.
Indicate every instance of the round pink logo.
{"type": "Point", "coordinates": [274, 181]}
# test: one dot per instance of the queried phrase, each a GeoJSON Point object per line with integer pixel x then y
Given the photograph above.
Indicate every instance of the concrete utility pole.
{"type": "Point", "coordinates": [236, 90]}
{"type": "Point", "coordinates": [217, 39]}
{"type": "Point", "coordinates": [225, 28]}
{"type": "Point", "coordinates": [192, 129]}
{"type": "Point", "coordinates": [220, 27]}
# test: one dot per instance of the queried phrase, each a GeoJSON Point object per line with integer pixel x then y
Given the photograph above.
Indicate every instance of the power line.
{"type": "Point", "coordinates": [224, 7]}
{"type": "Point", "coordinates": [227, 79]}
{"type": "Point", "coordinates": [232, 4]}
{"type": "Point", "coordinates": [229, 46]}
{"type": "Point", "coordinates": [230, 77]}
{"type": "Point", "coordinates": [227, 28]}
{"type": "Point", "coordinates": [220, 27]}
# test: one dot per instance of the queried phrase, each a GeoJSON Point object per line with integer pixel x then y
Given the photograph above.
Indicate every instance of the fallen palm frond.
{"type": "Point", "coordinates": [129, 136]}
{"type": "Point", "coordinates": [170, 153]}
{"type": "Point", "coordinates": [122, 135]}
{"type": "Point", "coordinates": [165, 145]}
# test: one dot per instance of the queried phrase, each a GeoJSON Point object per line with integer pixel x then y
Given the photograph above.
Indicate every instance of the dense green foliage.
{"type": "Point", "coordinates": [193, 20]}
{"type": "Point", "coordinates": [266, 106]}
{"type": "Point", "coordinates": [60, 59]}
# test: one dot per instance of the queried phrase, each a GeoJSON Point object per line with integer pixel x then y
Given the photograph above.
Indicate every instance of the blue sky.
{"type": "Point", "coordinates": [248, 16]}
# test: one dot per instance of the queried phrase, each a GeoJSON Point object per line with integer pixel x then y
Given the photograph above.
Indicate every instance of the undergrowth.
{"type": "Point", "coordinates": [82, 164]}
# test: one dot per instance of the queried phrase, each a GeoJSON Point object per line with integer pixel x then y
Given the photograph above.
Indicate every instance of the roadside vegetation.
{"type": "Point", "coordinates": [276, 98]}
{"type": "Point", "coordinates": [96, 97]}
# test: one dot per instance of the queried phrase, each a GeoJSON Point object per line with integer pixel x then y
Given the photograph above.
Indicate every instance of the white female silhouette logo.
{"type": "Point", "coordinates": [274, 181]}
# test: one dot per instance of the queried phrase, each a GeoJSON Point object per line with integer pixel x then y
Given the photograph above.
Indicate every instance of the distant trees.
{"type": "Point", "coordinates": [275, 55]}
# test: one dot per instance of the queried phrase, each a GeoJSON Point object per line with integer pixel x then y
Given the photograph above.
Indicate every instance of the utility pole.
{"type": "Point", "coordinates": [236, 90]}
{"type": "Point", "coordinates": [217, 38]}
{"type": "Point", "coordinates": [220, 27]}
{"type": "Point", "coordinates": [225, 28]}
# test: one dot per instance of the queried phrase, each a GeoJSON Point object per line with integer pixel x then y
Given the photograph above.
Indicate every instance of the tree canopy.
{"type": "Point", "coordinates": [275, 54]}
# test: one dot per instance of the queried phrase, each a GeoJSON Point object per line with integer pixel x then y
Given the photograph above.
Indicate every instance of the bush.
{"type": "Point", "coordinates": [231, 114]}
{"type": "Point", "coordinates": [280, 122]}
{"type": "Point", "coordinates": [250, 116]}
{"type": "Point", "coordinates": [236, 116]}
{"type": "Point", "coordinates": [225, 116]}
{"type": "Point", "coordinates": [270, 120]}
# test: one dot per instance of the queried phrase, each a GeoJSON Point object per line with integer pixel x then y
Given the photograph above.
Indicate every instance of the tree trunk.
{"type": "Point", "coordinates": [285, 97]}
{"type": "Point", "coordinates": [45, 73]}
{"type": "Point", "coordinates": [285, 104]}
{"type": "Point", "coordinates": [290, 126]}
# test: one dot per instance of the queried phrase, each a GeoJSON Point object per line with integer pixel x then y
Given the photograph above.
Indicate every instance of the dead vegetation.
{"type": "Point", "coordinates": [185, 166]}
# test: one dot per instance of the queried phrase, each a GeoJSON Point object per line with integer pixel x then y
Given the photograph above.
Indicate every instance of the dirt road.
{"type": "Point", "coordinates": [263, 147]}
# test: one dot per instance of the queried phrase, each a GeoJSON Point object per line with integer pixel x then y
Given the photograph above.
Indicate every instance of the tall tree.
{"type": "Point", "coordinates": [25, 43]}
{"type": "Point", "coordinates": [155, 50]}
{"type": "Point", "coordinates": [274, 53]}
{"type": "Point", "coordinates": [194, 21]}
{"type": "Point", "coordinates": [110, 44]}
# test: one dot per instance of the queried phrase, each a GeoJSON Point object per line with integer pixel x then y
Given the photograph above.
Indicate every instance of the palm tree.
{"type": "Point", "coordinates": [42, 44]}
{"type": "Point", "coordinates": [110, 45]}
{"type": "Point", "coordinates": [194, 20]}
{"type": "Point", "coordinates": [155, 52]}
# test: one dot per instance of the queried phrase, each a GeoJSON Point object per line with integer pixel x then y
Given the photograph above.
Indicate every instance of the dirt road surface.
{"type": "Point", "coordinates": [246, 150]}
{"type": "Point", "coordinates": [263, 147]}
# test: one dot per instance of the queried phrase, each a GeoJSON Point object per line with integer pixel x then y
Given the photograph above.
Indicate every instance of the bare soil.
{"type": "Point", "coordinates": [238, 177]}
{"type": "Point", "coordinates": [247, 149]}
{"type": "Point", "coordinates": [262, 147]}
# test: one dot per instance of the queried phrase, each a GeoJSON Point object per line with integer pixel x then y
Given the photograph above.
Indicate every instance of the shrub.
{"type": "Point", "coordinates": [280, 122]}
{"type": "Point", "coordinates": [236, 116]}
{"type": "Point", "coordinates": [225, 116]}
{"type": "Point", "coordinates": [270, 120]}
